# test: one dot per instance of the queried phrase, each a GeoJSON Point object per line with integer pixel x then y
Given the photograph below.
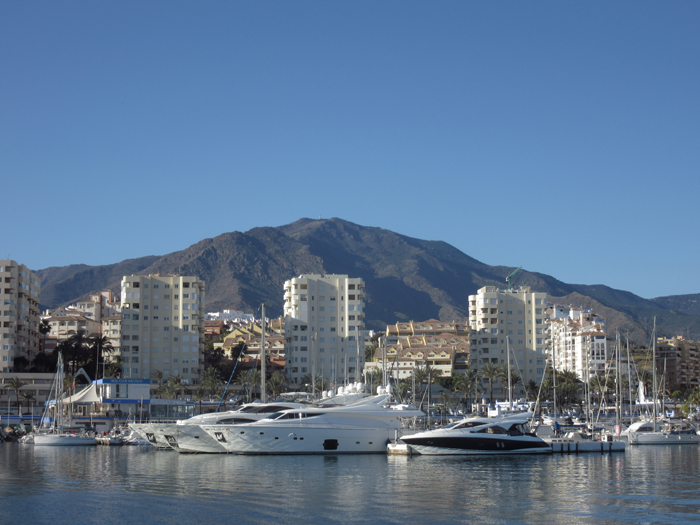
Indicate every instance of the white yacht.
{"type": "Point", "coordinates": [363, 427]}
{"type": "Point", "coordinates": [646, 433]}
{"type": "Point", "coordinates": [480, 435]}
{"type": "Point", "coordinates": [186, 435]}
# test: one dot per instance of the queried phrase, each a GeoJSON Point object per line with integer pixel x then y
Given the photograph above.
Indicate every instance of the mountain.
{"type": "Point", "coordinates": [405, 278]}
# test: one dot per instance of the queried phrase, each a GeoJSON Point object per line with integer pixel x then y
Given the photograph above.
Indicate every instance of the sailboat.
{"type": "Point", "coordinates": [57, 434]}
{"type": "Point", "coordinates": [648, 432]}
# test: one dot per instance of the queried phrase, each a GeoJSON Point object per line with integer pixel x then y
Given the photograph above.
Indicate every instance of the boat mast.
{"type": "Point", "coordinates": [554, 381]}
{"type": "Point", "coordinates": [262, 356]}
{"type": "Point", "coordinates": [510, 396]}
{"type": "Point", "coordinates": [629, 376]}
{"type": "Point", "coordinates": [589, 410]}
{"type": "Point", "coordinates": [618, 386]}
{"type": "Point", "coordinates": [653, 364]}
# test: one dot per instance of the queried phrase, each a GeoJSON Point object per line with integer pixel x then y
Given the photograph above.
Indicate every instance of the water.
{"type": "Point", "coordinates": [129, 484]}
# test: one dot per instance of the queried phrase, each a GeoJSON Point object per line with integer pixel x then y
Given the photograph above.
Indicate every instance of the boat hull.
{"type": "Point", "coordinates": [660, 438]}
{"type": "Point", "coordinates": [476, 445]}
{"type": "Point", "coordinates": [152, 433]}
{"type": "Point", "coordinates": [191, 439]}
{"type": "Point", "coordinates": [64, 440]}
{"type": "Point", "coordinates": [260, 440]}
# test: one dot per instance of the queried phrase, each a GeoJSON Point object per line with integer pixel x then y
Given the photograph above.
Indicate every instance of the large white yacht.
{"type": "Point", "coordinates": [362, 427]}
{"type": "Point", "coordinates": [480, 435]}
{"type": "Point", "coordinates": [186, 435]}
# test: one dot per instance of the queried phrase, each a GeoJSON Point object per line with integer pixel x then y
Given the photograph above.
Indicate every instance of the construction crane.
{"type": "Point", "coordinates": [509, 279]}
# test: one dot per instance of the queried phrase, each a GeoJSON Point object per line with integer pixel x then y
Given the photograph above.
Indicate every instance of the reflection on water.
{"type": "Point", "coordinates": [113, 485]}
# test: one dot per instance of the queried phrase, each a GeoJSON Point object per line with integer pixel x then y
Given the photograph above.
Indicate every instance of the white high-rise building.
{"type": "Point", "coordinates": [578, 340]}
{"type": "Point", "coordinates": [517, 314]}
{"type": "Point", "coordinates": [19, 314]}
{"type": "Point", "coordinates": [324, 327]}
{"type": "Point", "coordinates": [162, 326]}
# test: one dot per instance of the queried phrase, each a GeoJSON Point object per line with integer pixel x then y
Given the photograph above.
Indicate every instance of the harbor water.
{"type": "Point", "coordinates": [105, 485]}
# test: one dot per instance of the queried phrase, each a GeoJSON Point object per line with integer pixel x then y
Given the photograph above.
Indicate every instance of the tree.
{"type": "Point", "coordinates": [76, 351]}
{"type": "Point", "coordinates": [44, 329]}
{"type": "Point", "coordinates": [171, 388]}
{"type": "Point", "coordinates": [531, 388]}
{"type": "Point", "coordinates": [114, 368]}
{"type": "Point", "coordinates": [15, 384]}
{"type": "Point", "coordinates": [568, 385]}
{"type": "Point", "coordinates": [100, 345]}
{"type": "Point", "coordinates": [276, 384]}
{"type": "Point", "coordinates": [158, 375]}
{"type": "Point", "coordinates": [503, 377]}
{"type": "Point", "coordinates": [492, 373]}
{"type": "Point", "coordinates": [44, 363]}
{"type": "Point", "coordinates": [199, 394]}
{"type": "Point", "coordinates": [464, 383]}
{"type": "Point", "coordinates": [28, 397]}
{"type": "Point", "coordinates": [369, 353]}
{"type": "Point", "coordinates": [21, 364]}
{"type": "Point", "coordinates": [249, 378]}
{"type": "Point", "coordinates": [210, 380]}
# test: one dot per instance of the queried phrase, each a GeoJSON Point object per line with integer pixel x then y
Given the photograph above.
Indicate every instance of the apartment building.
{"type": "Point", "coordinates": [162, 326]}
{"type": "Point", "coordinates": [680, 359]}
{"type": "Point", "coordinates": [446, 352]}
{"type": "Point", "coordinates": [431, 327]}
{"type": "Point", "coordinates": [19, 306]}
{"type": "Point", "coordinates": [577, 341]}
{"type": "Point", "coordinates": [512, 318]}
{"type": "Point", "coordinates": [324, 327]}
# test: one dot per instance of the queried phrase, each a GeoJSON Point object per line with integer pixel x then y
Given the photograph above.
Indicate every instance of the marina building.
{"type": "Point", "coordinates": [19, 309]}
{"type": "Point", "coordinates": [324, 328]}
{"type": "Point", "coordinates": [513, 318]}
{"type": "Point", "coordinates": [578, 341]}
{"type": "Point", "coordinates": [162, 326]}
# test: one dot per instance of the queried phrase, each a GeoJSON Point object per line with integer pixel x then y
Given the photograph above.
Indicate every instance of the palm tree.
{"type": "Point", "coordinates": [199, 393]}
{"type": "Point", "coordinates": [44, 328]}
{"type": "Point", "coordinates": [158, 375]}
{"type": "Point", "coordinates": [463, 383]}
{"type": "Point", "coordinates": [492, 373]}
{"type": "Point", "coordinates": [375, 378]}
{"type": "Point", "coordinates": [77, 351]}
{"type": "Point", "coordinates": [568, 385]}
{"type": "Point", "coordinates": [171, 388]}
{"type": "Point", "coordinates": [531, 388]}
{"type": "Point", "coordinates": [210, 380]}
{"type": "Point", "coordinates": [15, 384]}
{"type": "Point", "coordinates": [276, 383]}
{"type": "Point", "coordinates": [114, 368]}
{"type": "Point", "coordinates": [28, 397]}
{"type": "Point", "coordinates": [425, 374]}
{"type": "Point", "coordinates": [248, 378]}
{"type": "Point", "coordinates": [100, 345]}
{"type": "Point", "coordinates": [503, 377]}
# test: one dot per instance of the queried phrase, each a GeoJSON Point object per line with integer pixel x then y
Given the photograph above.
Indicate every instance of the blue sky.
{"type": "Point", "coordinates": [562, 137]}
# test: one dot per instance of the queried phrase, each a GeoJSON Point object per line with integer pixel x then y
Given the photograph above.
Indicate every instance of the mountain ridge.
{"type": "Point", "coordinates": [405, 278]}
